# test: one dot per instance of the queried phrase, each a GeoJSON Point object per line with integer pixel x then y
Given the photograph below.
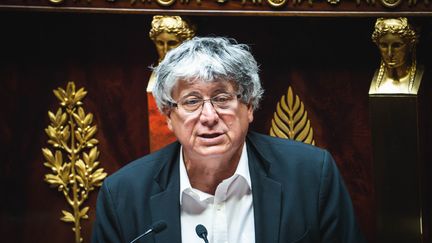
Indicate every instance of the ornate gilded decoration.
{"type": "Point", "coordinates": [397, 3]}
{"type": "Point", "coordinates": [276, 3]}
{"type": "Point", "coordinates": [73, 156]}
{"type": "Point", "coordinates": [391, 3]}
{"type": "Point", "coordinates": [290, 120]}
{"type": "Point", "coordinates": [56, 1]}
{"type": "Point", "coordinates": [398, 26]}
{"type": "Point", "coordinates": [165, 3]}
{"type": "Point", "coordinates": [396, 40]}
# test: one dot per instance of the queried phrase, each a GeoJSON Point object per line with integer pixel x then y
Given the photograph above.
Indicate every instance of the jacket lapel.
{"type": "Point", "coordinates": [267, 196]}
{"type": "Point", "coordinates": [165, 205]}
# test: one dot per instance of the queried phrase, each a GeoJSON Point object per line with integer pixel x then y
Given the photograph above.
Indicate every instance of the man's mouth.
{"type": "Point", "coordinates": [210, 135]}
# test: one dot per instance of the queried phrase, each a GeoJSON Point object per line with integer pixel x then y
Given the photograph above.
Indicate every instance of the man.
{"type": "Point", "coordinates": [242, 186]}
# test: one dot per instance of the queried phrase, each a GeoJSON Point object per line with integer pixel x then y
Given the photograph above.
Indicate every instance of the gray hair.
{"type": "Point", "coordinates": [208, 59]}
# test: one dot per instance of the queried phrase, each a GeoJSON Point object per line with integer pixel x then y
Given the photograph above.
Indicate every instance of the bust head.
{"type": "Point", "coordinates": [396, 40]}
{"type": "Point", "coordinates": [168, 32]}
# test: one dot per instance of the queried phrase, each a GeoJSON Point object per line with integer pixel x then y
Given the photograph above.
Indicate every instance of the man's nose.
{"type": "Point", "coordinates": [209, 115]}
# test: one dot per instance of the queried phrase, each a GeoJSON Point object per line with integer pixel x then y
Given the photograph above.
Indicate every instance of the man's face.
{"type": "Point", "coordinates": [209, 131]}
{"type": "Point", "coordinates": [165, 42]}
{"type": "Point", "coordinates": [394, 50]}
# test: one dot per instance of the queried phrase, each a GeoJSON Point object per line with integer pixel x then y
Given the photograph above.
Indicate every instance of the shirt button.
{"type": "Point", "coordinates": [218, 207]}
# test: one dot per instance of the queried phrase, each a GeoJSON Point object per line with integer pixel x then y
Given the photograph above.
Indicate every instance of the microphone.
{"type": "Point", "coordinates": [201, 231]}
{"type": "Point", "coordinates": [155, 228]}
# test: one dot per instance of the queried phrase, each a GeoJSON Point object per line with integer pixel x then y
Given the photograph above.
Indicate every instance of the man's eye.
{"type": "Point", "coordinates": [221, 98]}
{"type": "Point", "coordinates": [191, 102]}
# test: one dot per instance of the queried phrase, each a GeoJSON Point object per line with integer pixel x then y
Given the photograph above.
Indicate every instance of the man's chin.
{"type": "Point", "coordinates": [213, 150]}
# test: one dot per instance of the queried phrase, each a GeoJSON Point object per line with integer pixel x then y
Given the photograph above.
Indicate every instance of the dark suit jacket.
{"type": "Point", "coordinates": [298, 196]}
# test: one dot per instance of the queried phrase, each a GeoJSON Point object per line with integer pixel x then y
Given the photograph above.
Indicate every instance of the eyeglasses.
{"type": "Point", "coordinates": [221, 102]}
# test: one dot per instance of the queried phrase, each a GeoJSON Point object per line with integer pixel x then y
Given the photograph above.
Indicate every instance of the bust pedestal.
{"type": "Point", "coordinates": [400, 139]}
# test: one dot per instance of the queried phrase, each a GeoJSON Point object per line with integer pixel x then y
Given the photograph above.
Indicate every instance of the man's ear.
{"type": "Point", "coordinates": [167, 114]}
{"type": "Point", "coordinates": [250, 113]}
{"type": "Point", "coordinates": [169, 124]}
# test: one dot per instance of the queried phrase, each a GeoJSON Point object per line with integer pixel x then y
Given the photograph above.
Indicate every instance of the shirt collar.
{"type": "Point", "coordinates": [241, 170]}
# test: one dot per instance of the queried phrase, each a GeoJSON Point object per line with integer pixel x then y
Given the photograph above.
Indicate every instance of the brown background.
{"type": "Point", "coordinates": [329, 62]}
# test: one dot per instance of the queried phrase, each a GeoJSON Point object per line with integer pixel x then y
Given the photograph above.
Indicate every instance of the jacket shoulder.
{"type": "Point", "coordinates": [144, 168]}
{"type": "Point", "coordinates": [273, 147]}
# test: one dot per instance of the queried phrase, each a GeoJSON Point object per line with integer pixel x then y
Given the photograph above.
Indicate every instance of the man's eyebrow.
{"type": "Point", "coordinates": [192, 93]}
{"type": "Point", "coordinates": [220, 90]}
{"type": "Point", "coordinates": [213, 92]}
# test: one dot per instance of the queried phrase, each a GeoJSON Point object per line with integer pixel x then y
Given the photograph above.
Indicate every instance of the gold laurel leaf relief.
{"type": "Point", "coordinates": [73, 156]}
{"type": "Point", "coordinates": [290, 120]}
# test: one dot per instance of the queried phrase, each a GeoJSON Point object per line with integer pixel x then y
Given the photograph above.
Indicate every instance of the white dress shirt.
{"type": "Point", "coordinates": [227, 215]}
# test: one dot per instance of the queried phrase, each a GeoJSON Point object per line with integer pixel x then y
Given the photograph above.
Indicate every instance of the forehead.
{"type": "Point", "coordinates": [184, 87]}
{"type": "Point", "coordinates": [166, 36]}
{"type": "Point", "coordinates": [390, 37]}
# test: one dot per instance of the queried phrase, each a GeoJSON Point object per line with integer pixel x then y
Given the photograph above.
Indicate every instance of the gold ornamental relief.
{"type": "Point", "coordinates": [56, 1]}
{"type": "Point", "coordinates": [291, 121]}
{"type": "Point", "coordinates": [165, 3]}
{"type": "Point", "coordinates": [391, 3]}
{"type": "Point", "coordinates": [276, 3]}
{"type": "Point", "coordinates": [73, 156]}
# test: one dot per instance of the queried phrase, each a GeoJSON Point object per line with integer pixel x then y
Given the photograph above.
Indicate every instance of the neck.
{"type": "Point", "coordinates": [205, 174]}
{"type": "Point", "coordinates": [397, 73]}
